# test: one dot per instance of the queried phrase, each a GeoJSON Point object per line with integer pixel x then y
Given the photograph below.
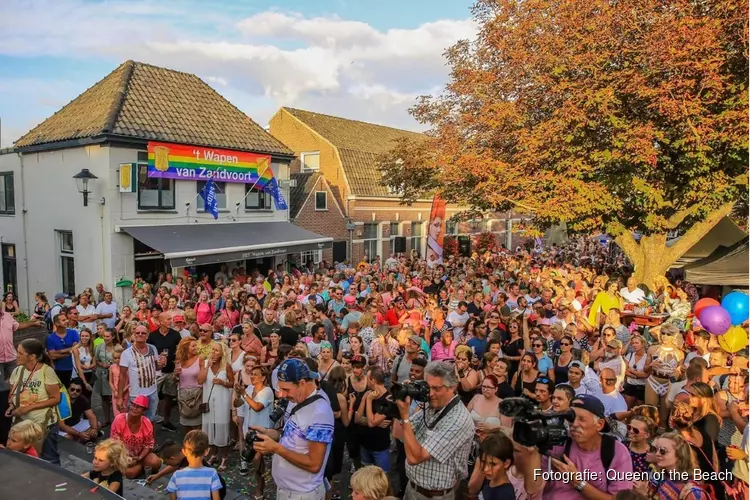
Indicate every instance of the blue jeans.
{"type": "Point", "coordinates": [49, 446]}
{"type": "Point", "coordinates": [153, 403]}
{"type": "Point", "coordinates": [380, 458]}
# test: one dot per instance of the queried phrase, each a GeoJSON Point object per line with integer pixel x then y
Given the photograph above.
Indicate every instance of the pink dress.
{"type": "Point", "coordinates": [204, 313]}
{"type": "Point", "coordinates": [114, 378]}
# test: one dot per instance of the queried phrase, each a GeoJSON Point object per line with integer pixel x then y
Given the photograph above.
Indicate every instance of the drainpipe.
{"type": "Point", "coordinates": [25, 239]}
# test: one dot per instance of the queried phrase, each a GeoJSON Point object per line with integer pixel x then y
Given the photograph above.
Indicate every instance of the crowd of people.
{"type": "Point", "coordinates": [401, 366]}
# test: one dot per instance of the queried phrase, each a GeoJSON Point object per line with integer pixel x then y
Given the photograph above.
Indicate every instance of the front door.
{"type": "Point", "coordinates": [10, 276]}
{"type": "Point", "coordinates": [339, 251]}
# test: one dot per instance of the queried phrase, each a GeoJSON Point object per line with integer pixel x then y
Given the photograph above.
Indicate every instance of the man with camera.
{"type": "Point", "coordinates": [437, 440]}
{"type": "Point", "coordinates": [587, 457]}
{"type": "Point", "coordinates": [416, 372]}
{"type": "Point", "coordinates": [301, 449]}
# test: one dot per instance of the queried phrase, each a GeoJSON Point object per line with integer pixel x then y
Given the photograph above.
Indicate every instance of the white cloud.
{"type": "Point", "coordinates": [273, 58]}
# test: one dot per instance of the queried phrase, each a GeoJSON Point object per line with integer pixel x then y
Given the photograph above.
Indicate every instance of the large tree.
{"type": "Point", "coordinates": [618, 116]}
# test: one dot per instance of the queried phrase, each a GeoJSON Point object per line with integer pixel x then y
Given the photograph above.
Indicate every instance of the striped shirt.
{"type": "Point", "coordinates": [194, 483]}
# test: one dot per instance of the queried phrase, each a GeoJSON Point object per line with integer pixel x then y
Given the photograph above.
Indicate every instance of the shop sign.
{"type": "Point", "coordinates": [260, 253]}
{"type": "Point", "coordinates": [197, 163]}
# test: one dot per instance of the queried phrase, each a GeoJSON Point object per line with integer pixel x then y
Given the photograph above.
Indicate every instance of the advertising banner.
{"type": "Point", "coordinates": [197, 163]}
{"type": "Point", "coordinates": [436, 232]}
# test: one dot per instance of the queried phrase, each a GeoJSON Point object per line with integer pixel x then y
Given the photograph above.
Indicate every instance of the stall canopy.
{"type": "Point", "coordinates": [725, 233]}
{"type": "Point", "coordinates": [727, 266]}
{"type": "Point", "coordinates": [198, 244]}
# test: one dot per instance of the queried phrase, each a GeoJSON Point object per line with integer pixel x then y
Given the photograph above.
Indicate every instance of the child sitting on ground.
{"type": "Point", "coordinates": [369, 483]}
{"type": "Point", "coordinates": [23, 436]}
{"type": "Point", "coordinates": [110, 461]}
{"type": "Point", "coordinates": [196, 480]}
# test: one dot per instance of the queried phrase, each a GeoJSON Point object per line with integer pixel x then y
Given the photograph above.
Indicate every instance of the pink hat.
{"type": "Point", "coordinates": [546, 322]}
{"type": "Point", "coordinates": [141, 401]}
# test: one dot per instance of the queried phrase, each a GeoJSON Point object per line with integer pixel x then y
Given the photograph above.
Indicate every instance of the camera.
{"type": "Point", "coordinates": [534, 428]}
{"type": "Point", "coordinates": [248, 454]}
{"type": "Point", "coordinates": [417, 391]}
{"type": "Point", "coordinates": [279, 408]}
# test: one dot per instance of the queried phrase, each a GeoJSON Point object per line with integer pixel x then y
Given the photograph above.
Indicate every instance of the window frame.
{"type": "Point", "coordinates": [317, 256]}
{"type": "Point", "coordinates": [325, 199]}
{"type": "Point", "coordinates": [303, 167]}
{"type": "Point", "coordinates": [265, 200]}
{"type": "Point", "coordinates": [66, 257]}
{"type": "Point", "coordinates": [393, 234]}
{"type": "Point", "coordinates": [417, 238]}
{"type": "Point", "coordinates": [221, 188]}
{"type": "Point", "coordinates": [370, 242]}
{"type": "Point", "coordinates": [8, 179]}
{"type": "Point", "coordinates": [162, 186]}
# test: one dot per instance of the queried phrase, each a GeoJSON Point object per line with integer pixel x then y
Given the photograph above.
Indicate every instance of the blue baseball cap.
{"type": "Point", "coordinates": [294, 370]}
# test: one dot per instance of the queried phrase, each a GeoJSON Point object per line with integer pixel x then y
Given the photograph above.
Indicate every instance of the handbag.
{"type": "Point", "coordinates": [189, 402]}
{"type": "Point", "coordinates": [732, 491]}
{"type": "Point", "coordinates": [206, 407]}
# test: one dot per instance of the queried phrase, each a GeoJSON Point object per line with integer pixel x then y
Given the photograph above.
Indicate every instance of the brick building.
{"type": "Point", "coordinates": [345, 154]}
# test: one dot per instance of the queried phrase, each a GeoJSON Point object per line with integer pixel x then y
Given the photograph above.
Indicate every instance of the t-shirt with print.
{"type": "Point", "coordinates": [313, 423]}
{"type": "Point", "coordinates": [34, 390]}
{"type": "Point", "coordinates": [57, 343]}
{"type": "Point", "coordinates": [141, 370]}
{"type": "Point", "coordinates": [591, 461]}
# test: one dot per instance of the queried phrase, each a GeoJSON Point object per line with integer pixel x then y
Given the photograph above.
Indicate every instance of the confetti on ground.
{"type": "Point", "coordinates": [61, 485]}
{"type": "Point", "coordinates": [61, 489]}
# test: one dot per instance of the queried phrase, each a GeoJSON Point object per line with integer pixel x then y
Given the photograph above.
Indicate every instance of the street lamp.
{"type": "Point", "coordinates": [82, 181]}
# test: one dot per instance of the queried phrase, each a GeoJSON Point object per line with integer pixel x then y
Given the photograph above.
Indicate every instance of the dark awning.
{"type": "Point", "coordinates": [197, 244]}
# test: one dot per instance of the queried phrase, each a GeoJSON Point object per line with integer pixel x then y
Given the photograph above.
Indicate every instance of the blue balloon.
{"type": "Point", "coordinates": [737, 305]}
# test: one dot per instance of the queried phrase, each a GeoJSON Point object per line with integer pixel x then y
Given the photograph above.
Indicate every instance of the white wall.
{"type": "Point", "coordinates": [11, 226]}
{"type": "Point", "coordinates": [101, 254]}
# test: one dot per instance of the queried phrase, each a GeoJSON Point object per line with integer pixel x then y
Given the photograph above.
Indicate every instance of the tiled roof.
{"type": "Point", "coordinates": [359, 144]}
{"type": "Point", "coordinates": [147, 102]}
{"type": "Point", "coordinates": [298, 194]}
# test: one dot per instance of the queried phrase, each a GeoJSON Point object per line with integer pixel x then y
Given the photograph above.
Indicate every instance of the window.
{"type": "Point", "coordinates": [416, 236]}
{"type": "Point", "coordinates": [451, 227]}
{"type": "Point", "coordinates": [370, 241]}
{"type": "Point", "coordinates": [153, 193]}
{"type": "Point", "coordinates": [321, 200]}
{"type": "Point", "coordinates": [7, 196]}
{"type": "Point", "coordinates": [67, 261]}
{"type": "Point", "coordinates": [394, 233]}
{"type": "Point", "coordinates": [221, 194]}
{"type": "Point", "coordinates": [310, 161]}
{"type": "Point", "coordinates": [257, 200]}
{"type": "Point", "coordinates": [316, 256]}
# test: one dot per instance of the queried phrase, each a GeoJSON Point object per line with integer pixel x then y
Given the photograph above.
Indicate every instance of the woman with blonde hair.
{"type": "Point", "coordinates": [468, 377]}
{"type": "Point", "coordinates": [218, 381]}
{"type": "Point", "coordinates": [674, 457]}
{"type": "Point", "coordinates": [189, 391]}
{"type": "Point", "coordinates": [706, 413]}
{"type": "Point", "coordinates": [366, 329]}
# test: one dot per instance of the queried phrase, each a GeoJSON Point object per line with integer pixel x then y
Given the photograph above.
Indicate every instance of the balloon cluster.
{"type": "Point", "coordinates": [725, 319]}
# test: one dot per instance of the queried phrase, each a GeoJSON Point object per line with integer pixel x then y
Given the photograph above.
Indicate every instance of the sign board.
{"type": "Point", "coordinates": [260, 253]}
{"type": "Point", "coordinates": [198, 163]}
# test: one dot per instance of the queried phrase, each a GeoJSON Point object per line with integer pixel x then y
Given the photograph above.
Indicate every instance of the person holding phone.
{"type": "Point", "coordinates": [166, 340]}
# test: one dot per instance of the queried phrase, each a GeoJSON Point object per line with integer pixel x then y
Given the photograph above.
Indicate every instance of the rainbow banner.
{"type": "Point", "coordinates": [436, 232]}
{"type": "Point", "coordinates": [197, 163]}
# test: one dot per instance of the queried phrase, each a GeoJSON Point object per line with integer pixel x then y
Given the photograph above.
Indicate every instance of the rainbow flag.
{"type": "Point", "coordinates": [185, 162]}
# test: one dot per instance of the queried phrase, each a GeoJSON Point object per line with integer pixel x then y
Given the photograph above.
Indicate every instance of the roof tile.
{"type": "Point", "coordinates": [359, 144]}
{"type": "Point", "coordinates": [148, 102]}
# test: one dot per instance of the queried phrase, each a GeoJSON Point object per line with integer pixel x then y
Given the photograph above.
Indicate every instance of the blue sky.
{"type": "Point", "coordinates": [360, 59]}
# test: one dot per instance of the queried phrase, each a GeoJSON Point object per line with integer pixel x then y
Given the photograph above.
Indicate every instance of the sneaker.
{"type": "Point", "coordinates": [243, 467]}
{"type": "Point", "coordinates": [168, 426]}
{"type": "Point", "coordinates": [159, 419]}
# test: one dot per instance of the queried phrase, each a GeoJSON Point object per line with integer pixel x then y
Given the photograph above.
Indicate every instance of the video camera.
{"type": "Point", "coordinates": [417, 391]}
{"type": "Point", "coordinates": [534, 428]}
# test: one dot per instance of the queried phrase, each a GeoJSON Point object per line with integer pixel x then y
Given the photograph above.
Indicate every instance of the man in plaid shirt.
{"type": "Point", "coordinates": [437, 440]}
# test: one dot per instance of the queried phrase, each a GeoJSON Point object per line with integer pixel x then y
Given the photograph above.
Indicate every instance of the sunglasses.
{"type": "Point", "coordinates": [542, 380]}
{"type": "Point", "coordinates": [71, 390]}
{"type": "Point", "coordinates": [489, 387]}
{"type": "Point", "coordinates": [610, 380]}
{"type": "Point", "coordinates": [565, 343]}
{"type": "Point", "coordinates": [659, 451]}
{"type": "Point", "coordinates": [538, 345]}
{"type": "Point", "coordinates": [634, 430]}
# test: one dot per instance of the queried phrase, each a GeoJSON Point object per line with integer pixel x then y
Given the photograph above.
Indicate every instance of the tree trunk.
{"type": "Point", "coordinates": [651, 257]}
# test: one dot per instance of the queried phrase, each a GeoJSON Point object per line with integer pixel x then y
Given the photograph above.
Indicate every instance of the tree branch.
{"type": "Point", "coordinates": [680, 216]}
{"type": "Point", "coordinates": [632, 249]}
{"type": "Point", "coordinates": [696, 232]}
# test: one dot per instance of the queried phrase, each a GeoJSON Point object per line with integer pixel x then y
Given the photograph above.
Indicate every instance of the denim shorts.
{"type": "Point", "coordinates": [380, 458]}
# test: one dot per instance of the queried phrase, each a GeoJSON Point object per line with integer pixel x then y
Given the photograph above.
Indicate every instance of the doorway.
{"type": "Point", "coordinates": [10, 273]}
{"type": "Point", "coordinates": [339, 251]}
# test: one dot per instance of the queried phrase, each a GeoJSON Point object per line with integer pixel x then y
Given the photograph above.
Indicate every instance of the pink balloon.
{"type": "Point", "coordinates": [715, 319]}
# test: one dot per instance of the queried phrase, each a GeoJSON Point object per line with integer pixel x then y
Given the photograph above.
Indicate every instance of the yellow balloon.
{"type": "Point", "coordinates": [734, 340]}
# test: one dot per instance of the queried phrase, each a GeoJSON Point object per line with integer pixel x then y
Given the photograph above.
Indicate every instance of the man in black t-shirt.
{"type": "Point", "coordinates": [165, 339]}
{"type": "Point", "coordinates": [77, 427]}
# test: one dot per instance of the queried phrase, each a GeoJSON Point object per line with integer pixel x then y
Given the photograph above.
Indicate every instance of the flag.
{"type": "Point", "coordinates": [272, 187]}
{"type": "Point", "coordinates": [434, 253]}
{"type": "Point", "coordinates": [208, 193]}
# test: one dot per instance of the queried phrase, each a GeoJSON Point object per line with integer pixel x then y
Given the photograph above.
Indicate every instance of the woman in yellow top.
{"type": "Point", "coordinates": [605, 300]}
{"type": "Point", "coordinates": [34, 395]}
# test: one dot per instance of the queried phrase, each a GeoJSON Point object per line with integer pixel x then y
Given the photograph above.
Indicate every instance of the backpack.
{"type": "Point", "coordinates": [50, 314]}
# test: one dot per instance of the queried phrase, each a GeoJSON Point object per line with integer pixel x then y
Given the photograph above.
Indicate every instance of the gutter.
{"type": "Point", "coordinates": [25, 238]}
{"type": "Point", "coordinates": [244, 248]}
